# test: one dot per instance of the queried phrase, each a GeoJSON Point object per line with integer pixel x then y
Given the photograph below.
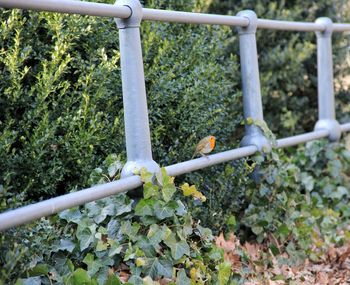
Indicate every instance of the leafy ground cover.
{"type": "Point", "coordinates": [287, 234]}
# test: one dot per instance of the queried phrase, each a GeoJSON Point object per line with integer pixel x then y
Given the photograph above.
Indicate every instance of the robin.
{"type": "Point", "coordinates": [205, 146]}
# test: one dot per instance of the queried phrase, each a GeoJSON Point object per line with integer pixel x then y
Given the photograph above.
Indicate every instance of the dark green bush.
{"type": "Point", "coordinates": [61, 109]}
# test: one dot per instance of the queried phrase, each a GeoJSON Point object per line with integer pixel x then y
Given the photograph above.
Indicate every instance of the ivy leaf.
{"type": "Point", "coordinates": [180, 209]}
{"type": "Point", "coordinates": [157, 234]}
{"type": "Point", "coordinates": [168, 191]}
{"type": "Point", "coordinates": [146, 177]}
{"type": "Point", "coordinates": [122, 205]}
{"type": "Point", "coordinates": [145, 207]}
{"type": "Point", "coordinates": [150, 190]}
{"type": "Point", "coordinates": [100, 210]}
{"type": "Point", "coordinates": [178, 248]}
{"type": "Point", "coordinates": [93, 265]}
{"type": "Point", "coordinates": [113, 230]}
{"type": "Point", "coordinates": [113, 280]}
{"type": "Point", "coordinates": [163, 178]}
{"type": "Point", "coordinates": [192, 191]}
{"type": "Point", "coordinates": [308, 181]}
{"type": "Point", "coordinates": [205, 233]}
{"type": "Point", "coordinates": [85, 235]}
{"type": "Point", "coordinates": [130, 230]}
{"type": "Point", "coordinates": [283, 230]}
{"type": "Point", "coordinates": [187, 228]}
{"type": "Point", "coordinates": [114, 168]}
{"type": "Point", "coordinates": [182, 278]}
{"type": "Point", "coordinates": [40, 269]}
{"type": "Point", "coordinates": [101, 245]}
{"type": "Point", "coordinates": [188, 190]}
{"type": "Point", "coordinates": [216, 253]}
{"type": "Point", "coordinates": [224, 273]}
{"type": "Point", "coordinates": [71, 215]}
{"type": "Point", "coordinates": [65, 244]}
{"type": "Point", "coordinates": [162, 210]}
{"type": "Point", "coordinates": [157, 267]}
{"type": "Point", "coordinates": [80, 277]}
{"type": "Point", "coordinates": [29, 281]}
{"type": "Point", "coordinates": [115, 249]}
{"type": "Point", "coordinates": [135, 280]}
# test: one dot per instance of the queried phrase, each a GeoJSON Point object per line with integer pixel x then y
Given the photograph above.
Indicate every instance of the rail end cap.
{"type": "Point", "coordinates": [253, 22]}
{"type": "Point", "coordinates": [332, 126]}
{"type": "Point", "coordinates": [328, 24]}
{"type": "Point", "coordinates": [135, 17]}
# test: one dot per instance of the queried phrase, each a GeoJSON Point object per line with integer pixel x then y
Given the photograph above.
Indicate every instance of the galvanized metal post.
{"type": "Point", "coordinates": [325, 88]}
{"type": "Point", "coordinates": [137, 132]}
{"type": "Point", "coordinates": [252, 102]}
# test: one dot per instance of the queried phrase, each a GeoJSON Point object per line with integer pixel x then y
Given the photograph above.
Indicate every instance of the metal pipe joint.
{"type": "Point", "coordinates": [253, 22]}
{"type": "Point", "coordinates": [328, 27]}
{"type": "Point", "coordinates": [134, 20]}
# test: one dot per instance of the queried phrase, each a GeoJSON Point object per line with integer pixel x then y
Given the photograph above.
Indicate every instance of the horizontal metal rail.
{"type": "Point", "coordinates": [51, 206]}
{"type": "Point", "coordinates": [289, 26]}
{"type": "Point", "coordinates": [193, 18]}
{"type": "Point", "coordinates": [70, 7]}
{"type": "Point", "coordinates": [345, 127]}
{"type": "Point", "coordinates": [294, 140]}
{"type": "Point", "coordinates": [118, 11]}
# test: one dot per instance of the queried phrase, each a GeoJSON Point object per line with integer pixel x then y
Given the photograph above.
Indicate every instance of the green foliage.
{"type": "Point", "coordinates": [61, 104]}
{"type": "Point", "coordinates": [150, 239]}
{"type": "Point", "coordinates": [302, 199]}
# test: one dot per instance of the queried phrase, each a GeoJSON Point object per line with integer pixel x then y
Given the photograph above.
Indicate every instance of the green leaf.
{"type": "Point", "coordinates": [162, 210]}
{"type": "Point", "coordinates": [283, 230]}
{"type": "Point", "coordinates": [80, 277]}
{"type": "Point", "coordinates": [257, 230]}
{"type": "Point", "coordinates": [114, 168]}
{"type": "Point", "coordinates": [135, 280]}
{"type": "Point", "coordinates": [101, 246]}
{"type": "Point", "coordinates": [179, 249]}
{"type": "Point", "coordinates": [205, 233]}
{"type": "Point", "coordinates": [180, 209]}
{"type": "Point", "coordinates": [130, 230]}
{"type": "Point", "coordinates": [115, 249]}
{"type": "Point", "coordinates": [150, 190]}
{"type": "Point", "coordinates": [308, 181]}
{"type": "Point", "coordinates": [145, 207]}
{"type": "Point", "coordinates": [29, 281]}
{"type": "Point", "coordinates": [113, 280]}
{"type": "Point", "coordinates": [157, 267]}
{"type": "Point", "coordinates": [65, 244]}
{"type": "Point", "coordinates": [182, 278]}
{"type": "Point", "coordinates": [113, 230]}
{"type": "Point", "coordinates": [224, 273]}
{"type": "Point", "coordinates": [146, 177]}
{"type": "Point", "coordinates": [168, 191]}
{"type": "Point", "coordinates": [93, 265]}
{"type": "Point", "coordinates": [216, 253]}
{"type": "Point", "coordinates": [71, 215]}
{"type": "Point", "coordinates": [40, 269]}
{"type": "Point", "coordinates": [85, 235]}
{"type": "Point", "coordinates": [123, 205]}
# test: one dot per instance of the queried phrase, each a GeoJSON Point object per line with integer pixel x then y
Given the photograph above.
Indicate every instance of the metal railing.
{"type": "Point", "coordinates": [129, 15]}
